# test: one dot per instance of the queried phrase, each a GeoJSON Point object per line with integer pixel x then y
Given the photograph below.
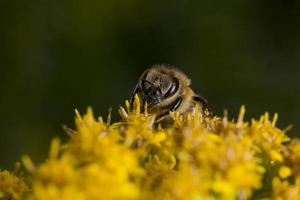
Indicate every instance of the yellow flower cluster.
{"type": "Point", "coordinates": [12, 185]}
{"type": "Point", "coordinates": [195, 158]}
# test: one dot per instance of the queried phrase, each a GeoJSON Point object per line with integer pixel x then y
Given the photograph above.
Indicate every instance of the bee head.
{"type": "Point", "coordinates": [156, 86]}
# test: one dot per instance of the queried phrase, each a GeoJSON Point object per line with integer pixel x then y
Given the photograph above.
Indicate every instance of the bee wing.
{"type": "Point", "coordinates": [135, 91]}
{"type": "Point", "coordinates": [204, 103]}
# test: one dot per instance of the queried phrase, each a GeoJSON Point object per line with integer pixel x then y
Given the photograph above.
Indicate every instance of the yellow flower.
{"type": "Point", "coordinates": [268, 137]}
{"type": "Point", "coordinates": [283, 190]}
{"type": "Point", "coordinates": [284, 172]}
{"type": "Point", "coordinates": [12, 185]}
{"type": "Point", "coordinates": [292, 155]}
{"type": "Point", "coordinates": [196, 158]}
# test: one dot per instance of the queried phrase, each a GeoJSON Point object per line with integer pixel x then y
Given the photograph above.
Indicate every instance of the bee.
{"type": "Point", "coordinates": [164, 89]}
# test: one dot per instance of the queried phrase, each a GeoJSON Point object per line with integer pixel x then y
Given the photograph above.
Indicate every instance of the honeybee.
{"type": "Point", "coordinates": [166, 89]}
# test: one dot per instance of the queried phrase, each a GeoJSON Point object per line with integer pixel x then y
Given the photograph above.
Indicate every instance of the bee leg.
{"type": "Point", "coordinates": [176, 104]}
{"type": "Point", "coordinates": [171, 107]}
{"type": "Point", "coordinates": [204, 103]}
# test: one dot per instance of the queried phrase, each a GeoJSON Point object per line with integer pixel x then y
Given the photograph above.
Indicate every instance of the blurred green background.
{"type": "Point", "coordinates": [59, 55]}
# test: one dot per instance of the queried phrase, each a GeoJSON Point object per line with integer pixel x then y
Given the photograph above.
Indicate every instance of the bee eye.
{"type": "Point", "coordinates": [173, 88]}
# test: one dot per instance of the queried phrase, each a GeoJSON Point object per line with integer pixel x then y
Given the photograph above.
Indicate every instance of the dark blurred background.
{"type": "Point", "coordinates": [57, 55]}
